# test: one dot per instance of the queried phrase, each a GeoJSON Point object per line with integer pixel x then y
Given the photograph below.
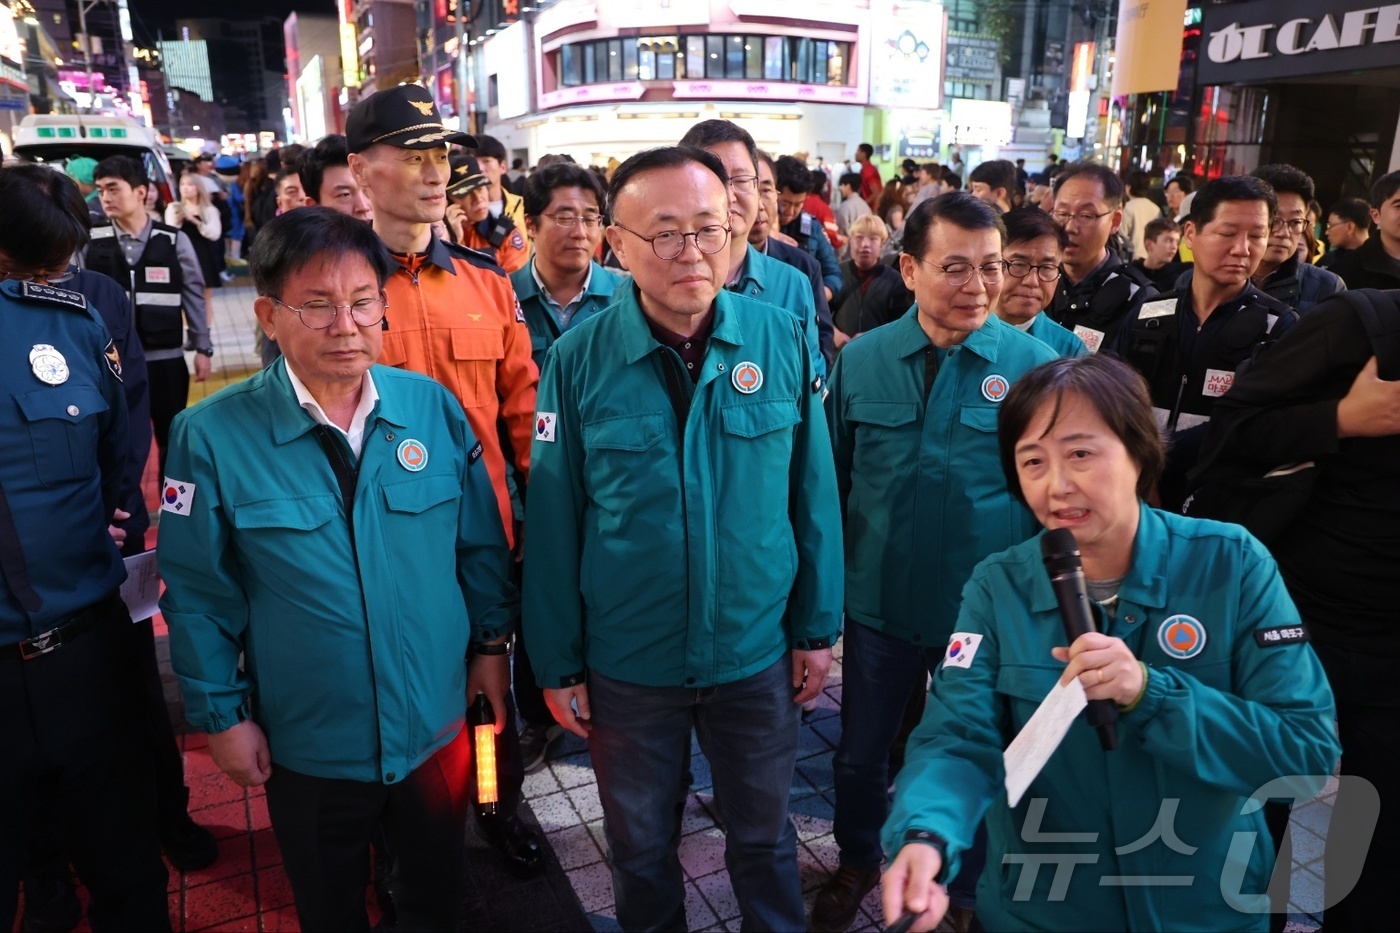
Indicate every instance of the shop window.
{"type": "Point", "coordinates": [695, 56]}
{"type": "Point", "coordinates": [613, 56]}
{"type": "Point", "coordinates": [734, 57]}
{"type": "Point", "coordinates": [775, 59]}
{"type": "Point", "coordinates": [571, 65]}
{"type": "Point", "coordinates": [629, 61]}
{"type": "Point", "coordinates": [753, 57]}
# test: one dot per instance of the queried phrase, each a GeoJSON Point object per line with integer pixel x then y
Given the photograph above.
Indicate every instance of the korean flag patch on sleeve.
{"type": "Point", "coordinates": [545, 423]}
{"type": "Point", "coordinates": [176, 496]}
{"type": "Point", "coordinates": [962, 648]}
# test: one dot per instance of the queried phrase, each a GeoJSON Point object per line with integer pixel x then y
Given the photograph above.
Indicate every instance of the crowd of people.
{"type": "Point", "coordinates": [624, 451]}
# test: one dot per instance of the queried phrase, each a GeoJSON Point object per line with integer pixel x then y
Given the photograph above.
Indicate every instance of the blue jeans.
{"type": "Point", "coordinates": [879, 672]}
{"type": "Point", "coordinates": [640, 743]}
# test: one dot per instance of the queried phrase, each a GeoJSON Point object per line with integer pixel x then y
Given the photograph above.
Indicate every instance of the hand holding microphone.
{"type": "Point", "coordinates": [1066, 569]}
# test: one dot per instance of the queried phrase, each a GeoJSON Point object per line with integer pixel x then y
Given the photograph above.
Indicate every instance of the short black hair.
{"type": "Point", "coordinates": [1113, 388]}
{"type": "Point", "coordinates": [43, 219]}
{"type": "Point", "coordinates": [1024, 224]}
{"type": "Point", "coordinates": [329, 152]}
{"type": "Point", "coordinates": [540, 186]}
{"type": "Point", "coordinates": [291, 241]}
{"type": "Point", "coordinates": [866, 148]}
{"type": "Point", "coordinates": [284, 175]}
{"type": "Point", "coordinates": [1287, 179]}
{"type": "Point", "coordinates": [819, 179]}
{"type": "Point", "coordinates": [708, 133]}
{"type": "Point", "coordinates": [1355, 210]}
{"type": "Point", "coordinates": [951, 178]}
{"type": "Point", "coordinates": [1094, 171]}
{"type": "Point", "coordinates": [1158, 226]}
{"type": "Point", "coordinates": [517, 163]}
{"type": "Point", "coordinates": [1384, 189]}
{"type": "Point", "coordinates": [957, 208]}
{"type": "Point", "coordinates": [851, 179]}
{"type": "Point", "coordinates": [650, 160]}
{"type": "Point", "coordinates": [1139, 183]}
{"type": "Point", "coordinates": [489, 147]}
{"type": "Point", "coordinates": [1184, 181]}
{"type": "Point", "coordinates": [767, 160]}
{"type": "Point", "coordinates": [1230, 188]}
{"type": "Point", "coordinates": [996, 173]}
{"type": "Point", "coordinates": [791, 173]}
{"type": "Point", "coordinates": [124, 167]}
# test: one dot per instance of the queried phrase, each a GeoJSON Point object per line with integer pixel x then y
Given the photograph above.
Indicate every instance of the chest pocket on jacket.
{"type": "Point", "coordinates": [475, 354]}
{"type": "Point", "coordinates": [1025, 688]}
{"type": "Point", "coordinates": [421, 494]}
{"type": "Point", "coordinates": [63, 431]}
{"type": "Point", "coordinates": [979, 418]}
{"type": "Point", "coordinates": [305, 514]}
{"type": "Point", "coordinates": [755, 419]}
{"type": "Point", "coordinates": [618, 470]}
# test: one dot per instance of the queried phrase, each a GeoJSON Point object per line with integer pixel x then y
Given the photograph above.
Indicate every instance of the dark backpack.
{"type": "Point", "coordinates": [1267, 503]}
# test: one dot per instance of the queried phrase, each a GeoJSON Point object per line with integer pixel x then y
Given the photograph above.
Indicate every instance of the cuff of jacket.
{"type": "Point", "coordinates": [222, 722]}
{"type": "Point", "coordinates": [813, 644]}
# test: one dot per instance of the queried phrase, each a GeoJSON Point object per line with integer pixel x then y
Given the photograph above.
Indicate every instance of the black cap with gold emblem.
{"type": "Point", "coordinates": [466, 177]}
{"type": "Point", "coordinates": [403, 116]}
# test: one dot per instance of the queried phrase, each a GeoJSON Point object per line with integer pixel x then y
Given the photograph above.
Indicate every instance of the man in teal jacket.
{"type": "Point", "coordinates": [332, 522]}
{"type": "Point", "coordinates": [752, 273]}
{"type": "Point", "coordinates": [1159, 834]}
{"type": "Point", "coordinates": [562, 284]}
{"type": "Point", "coordinates": [913, 413]}
{"type": "Point", "coordinates": [682, 567]}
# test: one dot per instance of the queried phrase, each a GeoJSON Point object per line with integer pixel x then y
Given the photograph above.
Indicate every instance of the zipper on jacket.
{"type": "Point", "coordinates": [1176, 408]}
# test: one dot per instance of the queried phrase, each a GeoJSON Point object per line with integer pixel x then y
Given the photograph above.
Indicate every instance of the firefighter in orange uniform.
{"type": "Point", "coordinates": [452, 316]}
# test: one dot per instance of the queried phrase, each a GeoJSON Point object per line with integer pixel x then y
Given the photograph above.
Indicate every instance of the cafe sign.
{"type": "Point", "coordinates": [1262, 40]}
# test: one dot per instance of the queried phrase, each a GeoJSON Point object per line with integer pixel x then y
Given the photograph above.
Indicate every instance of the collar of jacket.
{"type": "Point", "coordinates": [290, 421]}
{"type": "Point", "coordinates": [985, 341]}
{"type": "Point", "coordinates": [755, 265]}
{"type": "Point", "coordinates": [439, 255]}
{"type": "Point", "coordinates": [601, 282]}
{"type": "Point", "coordinates": [1146, 582]}
{"type": "Point", "coordinates": [1286, 274]}
{"type": "Point", "coordinates": [637, 340]}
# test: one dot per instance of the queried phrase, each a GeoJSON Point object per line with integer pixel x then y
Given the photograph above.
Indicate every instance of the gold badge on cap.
{"type": "Point", "coordinates": [48, 364]}
{"type": "Point", "coordinates": [425, 107]}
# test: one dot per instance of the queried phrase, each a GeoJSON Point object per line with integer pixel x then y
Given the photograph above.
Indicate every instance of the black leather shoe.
{"type": "Point", "coordinates": [516, 841]}
{"type": "Point", "coordinates": [839, 899]}
{"type": "Point", "coordinates": [188, 845]}
{"type": "Point", "coordinates": [50, 904]}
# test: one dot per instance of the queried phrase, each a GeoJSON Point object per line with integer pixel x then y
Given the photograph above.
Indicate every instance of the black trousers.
{"type": "Point", "coordinates": [1367, 712]}
{"type": "Point", "coordinates": [169, 382]}
{"type": "Point", "coordinates": [68, 722]}
{"type": "Point", "coordinates": [151, 718]}
{"type": "Point", "coordinates": [324, 827]}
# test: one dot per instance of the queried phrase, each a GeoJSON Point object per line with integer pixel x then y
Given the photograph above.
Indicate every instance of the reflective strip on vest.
{"type": "Point", "coordinates": [159, 299]}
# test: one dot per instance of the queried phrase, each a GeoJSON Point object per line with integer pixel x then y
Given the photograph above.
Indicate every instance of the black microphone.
{"type": "Point", "coordinates": [1061, 555]}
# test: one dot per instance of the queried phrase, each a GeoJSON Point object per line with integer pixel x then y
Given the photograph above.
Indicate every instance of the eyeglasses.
{"type": "Point", "coordinates": [1020, 268]}
{"type": "Point", "coordinates": [569, 218]}
{"type": "Point", "coordinates": [318, 315]}
{"type": "Point", "coordinates": [668, 244]}
{"type": "Point", "coordinates": [960, 273]}
{"type": "Point", "coordinates": [1336, 223]}
{"type": "Point", "coordinates": [743, 182]}
{"type": "Point", "coordinates": [1292, 226]}
{"type": "Point", "coordinates": [1086, 218]}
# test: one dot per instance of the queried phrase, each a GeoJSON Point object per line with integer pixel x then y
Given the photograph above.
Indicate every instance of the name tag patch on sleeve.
{"type": "Point", "coordinates": [475, 453]}
{"type": "Point", "coordinates": [1281, 635]}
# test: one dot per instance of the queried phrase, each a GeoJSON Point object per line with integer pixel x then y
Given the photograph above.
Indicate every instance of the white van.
{"type": "Point", "coordinates": [56, 138]}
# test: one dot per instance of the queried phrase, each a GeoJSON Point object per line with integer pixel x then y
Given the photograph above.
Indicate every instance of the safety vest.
{"type": "Point", "coordinates": [1184, 390]}
{"type": "Point", "coordinates": [154, 283]}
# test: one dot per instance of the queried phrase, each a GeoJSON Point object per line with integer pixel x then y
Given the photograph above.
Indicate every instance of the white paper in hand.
{"type": "Point", "coordinates": [1042, 734]}
{"type": "Point", "coordinates": [141, 591]}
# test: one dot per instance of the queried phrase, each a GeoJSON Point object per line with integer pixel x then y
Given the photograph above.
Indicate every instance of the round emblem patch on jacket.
{"type": "Point", "coordinates": [747, 377]}
{"type": "Point", "coordinates": [1181, 636]}
{"type": "Point", "coordinates": [413, 456]}
{"type": "Point", "coordinates": [994, 388]}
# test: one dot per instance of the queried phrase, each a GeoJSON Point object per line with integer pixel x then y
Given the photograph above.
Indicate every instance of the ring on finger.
{"type": "Point", "coordinates": [1100, 675]}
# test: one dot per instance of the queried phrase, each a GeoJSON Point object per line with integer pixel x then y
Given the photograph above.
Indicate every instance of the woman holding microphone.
{"type": "Point", "coordinates": [1198, 647]}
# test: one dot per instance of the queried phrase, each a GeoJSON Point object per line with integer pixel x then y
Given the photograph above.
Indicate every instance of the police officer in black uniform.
{"type": "Point", "coordinates": [66, 704]}
{"type": "Point", "coordinates": [1188, 343]}
{"type": "Point", "coordinates": [1097, 290]}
